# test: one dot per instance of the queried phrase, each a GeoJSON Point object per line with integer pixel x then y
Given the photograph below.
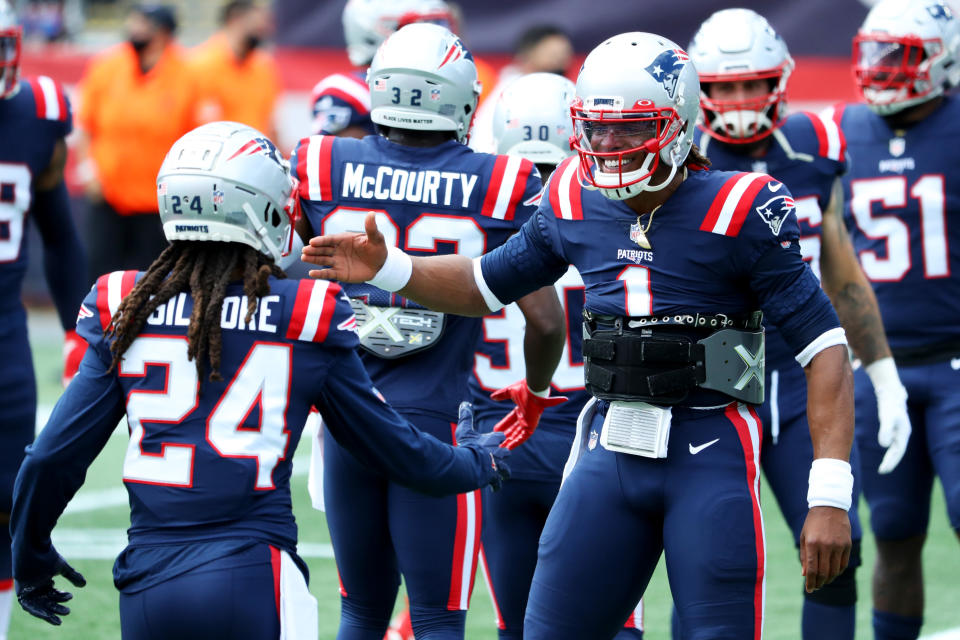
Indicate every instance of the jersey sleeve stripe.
{"type": "Point", "coordinates": [102, 306]}
{"type": "Point", "coordinates": [313, 310]}
{"type": "Point", "coordinates": [347, 89]}
{"type": "Point", "coordinates": [568, 193]}
{"type": "Point", "coordinates": [55, 103]}
{"type": "Point", "coordinates": [831, 117]}
{"type": "Point", "coordinates": [519, 187]}
{"type": "Point", "coordinates": [713, 213]}
{"type": "Point", "coordinates": [315, 167]}
{"type": "Point", "coordinates": [745, 204]}
{"type": "Point", "coordinates": [502, 210]}
{"type": "Point", "coordinates": [112, 288]}
{"type": "Point", "coordinates": [493, 188]}
{"type": "Point", "coordinates": [727, 202]}
{"type": "Point", "coordinates": [831, 143]}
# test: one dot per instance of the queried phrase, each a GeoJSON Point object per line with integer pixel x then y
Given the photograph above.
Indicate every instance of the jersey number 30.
{"type": "Point", "coordinates": [263, 379]}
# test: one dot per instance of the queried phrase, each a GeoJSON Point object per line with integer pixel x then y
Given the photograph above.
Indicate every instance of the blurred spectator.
{"type": "Point", "coordinates": [43, 20]}
{"type": "Point", "coordinates": [543, 48]}
{"type": "Point", "coordinates": [136, 99]}
{"type": "Point", "coordinates": [236, 79]}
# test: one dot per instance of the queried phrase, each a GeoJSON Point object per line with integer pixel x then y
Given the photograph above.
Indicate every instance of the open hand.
{"type": "Point", "coordinates": [349, 257]}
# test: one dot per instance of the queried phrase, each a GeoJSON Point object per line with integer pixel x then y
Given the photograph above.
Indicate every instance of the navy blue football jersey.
{"type": "Point", "coordinates": [807, 153]}
{"type": "Point", "coordinates": [900, 202]}
{"type": "Point", "coordinates": [341, 100]}
{"type": "Point", "coordinates": [442, 199]}
{"type": "Point", "coordinates": [499, 361]}
{"type": "Point", "coordinates": [211, 460]}
{"type": "Point", "coordinates": [31, 123]}
{"type": "Point", "coordinates": [723, 243]}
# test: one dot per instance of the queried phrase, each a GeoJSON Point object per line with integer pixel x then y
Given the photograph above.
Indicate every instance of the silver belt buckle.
{"type": "Point", "coordinates": [636, 428]}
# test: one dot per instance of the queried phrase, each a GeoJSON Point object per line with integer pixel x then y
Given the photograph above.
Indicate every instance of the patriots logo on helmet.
{"type": "Point", "coordinates": [455, 52]}
{"type": "Point", "coordinates": [666, 69]}
{"type": "Point", "coordinates": [940, 12]}
{"type": "Point", "coordinates": [258, 145]}
{"type": "Point", "coordinates": [775, 210]}
{"type": "Point", "coordinates": [350, 324]}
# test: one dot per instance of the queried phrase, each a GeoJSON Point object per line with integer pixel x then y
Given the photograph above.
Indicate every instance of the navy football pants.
{"type": "Point", "coordinates": [380, 529]}
{"type": "Point", "coordinates": [900, 501]}
{"type": "Point", "coordinates": [234, 597]}
{"type": "Point", "coordinates": [616, 513]}
{"type": "Point", "coordinates": [18, 397]}
{"type": "Point", "coordinates": [513, 520]}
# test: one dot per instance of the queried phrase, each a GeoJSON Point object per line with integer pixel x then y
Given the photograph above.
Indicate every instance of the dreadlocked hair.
{"type": "Point", "coordinates": [204, 269]}
{"type": "Point", "coordinates": [696, 158]}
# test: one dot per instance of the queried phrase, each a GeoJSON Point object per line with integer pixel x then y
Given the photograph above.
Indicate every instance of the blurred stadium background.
{"type": "Point", "coordinates": [62, 35]}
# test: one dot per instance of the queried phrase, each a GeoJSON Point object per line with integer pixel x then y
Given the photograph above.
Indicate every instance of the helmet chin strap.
{"type": "Point", "coordinates": [629, 191]}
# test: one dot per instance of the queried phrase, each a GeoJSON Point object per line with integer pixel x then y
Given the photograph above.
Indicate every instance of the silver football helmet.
{"type": "Point", "coordinates": [423, 78]}
{"type": "Point", "coordinates": [532, 118]}
{"type": "Point", "coordinates": [906, 53]}
{"type": "Point", "coordinates": [367, 23]}
{"type": "Point", "coordinates": [739, 45]}
{"type": "Point", "coordinates": [636, 105]}
{"type": "Point", "coordinates": [227, 182]}
{"type": "Point", "coordinates": [10, 36]}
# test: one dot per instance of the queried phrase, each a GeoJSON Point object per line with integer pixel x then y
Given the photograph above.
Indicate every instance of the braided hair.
{"type": "Point", "coordinates": [696, 158]}
{"type": "Point", "coordinates": [204, 269]}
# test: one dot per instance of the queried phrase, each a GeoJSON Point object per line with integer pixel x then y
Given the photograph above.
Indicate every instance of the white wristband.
{"type": "Point", "coordinates": [395, 272]}
{"type": "Point", "coordinates": [883, 374]}
{"type": "Point", "coordinates": [830, 484]}
{"type": "Point", "coordinates": [540, 394]}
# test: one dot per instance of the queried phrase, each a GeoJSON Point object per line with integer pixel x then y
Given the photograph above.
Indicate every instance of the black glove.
{"type": "Point", "coordinates": [488, 443]}
{"type": "Point", "coordinates": [43, 600]}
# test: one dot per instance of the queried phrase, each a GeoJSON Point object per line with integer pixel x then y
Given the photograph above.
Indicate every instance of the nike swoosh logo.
{"type": "Point", "coordinates": [774, 186]}
{"type": "Point", "coordinates": [695, 450]}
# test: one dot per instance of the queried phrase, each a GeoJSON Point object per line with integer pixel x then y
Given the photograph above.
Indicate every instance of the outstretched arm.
{"type": "Point", "coordinates": [441, 283]}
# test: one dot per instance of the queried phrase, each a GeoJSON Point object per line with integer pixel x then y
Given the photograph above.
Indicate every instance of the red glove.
{"type": "Point", "coordinates": [518, 425]}
{"type": "Point", "coordinates": [73, 349]}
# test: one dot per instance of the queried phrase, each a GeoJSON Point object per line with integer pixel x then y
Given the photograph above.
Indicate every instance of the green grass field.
{"type": "Point", "coordinates": [92, 531]}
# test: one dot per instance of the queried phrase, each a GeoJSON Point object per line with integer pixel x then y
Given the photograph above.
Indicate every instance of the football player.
{"type": "Point", "coordinates": [531, 120]}
{"type": "Point", "coordinates": [341, 101]}
{"type": "Point", "coordinates": [903, 220]}
{"type": "Point", "coordinates": [199, 351]}
{"type": "Point", "coordinates": [677, 264]}
{"type": "Point", "coordinates": [744, 67]}
{"type": "Point", "coordinates": [430, 193]}
{"type": "Point", "coordinates": [35, 118]}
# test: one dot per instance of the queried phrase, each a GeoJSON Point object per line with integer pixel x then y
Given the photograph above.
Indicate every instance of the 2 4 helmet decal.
{"type": "Point", "coordinates": [227, 182]}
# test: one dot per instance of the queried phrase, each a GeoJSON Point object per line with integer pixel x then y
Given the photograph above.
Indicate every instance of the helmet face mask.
{"type": "Point", "coordinates": [227, 182]}
{"type": "Point", "coordinates": [906, 53]}
{"type": "Point", "coordinates": [11, 35]}
{"type": "Point", "coordinates": [641, 92]}
{"type": "Point", "coordinates": [622, 147]}
{"type": "Point", "coordinates": [738, 49]}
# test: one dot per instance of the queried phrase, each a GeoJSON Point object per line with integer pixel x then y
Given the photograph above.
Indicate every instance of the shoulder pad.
{"type": "Point", "coordinates": [348, 88]}
{"type": "Point", "coordinates": [734, 200]}
{"type": "Point", "coordinates": [318, 306]}
{"type": "Point", "coordinates": [508, 181]}
{"type": "Point", "coordinates": [564, 190]}
{"type": "Point", "coordinates": [313, 168]}
{"type": "Point", "coordinates": [49, 97]}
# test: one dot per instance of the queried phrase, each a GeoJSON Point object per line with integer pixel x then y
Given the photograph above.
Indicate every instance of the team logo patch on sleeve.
{"type": "Point", "coordinates": [83, 313]}
{"type": "Point", "coordinates": [775, 210]}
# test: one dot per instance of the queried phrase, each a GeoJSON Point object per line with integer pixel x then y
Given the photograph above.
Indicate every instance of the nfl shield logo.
{"type": "Point", "coordinates": [592, 443]}
{"type": "Point", "coordinates": [218, 197]}
{"type": "Point", "coordinates": [638, 236]}
{"type": "Point", "coordinates": [435, 94]}
{"type": "Point", "coordinates": [897, 147]}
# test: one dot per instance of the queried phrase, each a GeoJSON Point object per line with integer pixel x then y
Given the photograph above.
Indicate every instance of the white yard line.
{"type": "Point", "coordinates": [949, 634]}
